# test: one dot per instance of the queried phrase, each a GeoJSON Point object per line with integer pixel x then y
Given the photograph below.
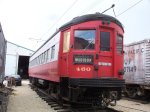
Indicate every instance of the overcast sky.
{"type": "Point", "coordinates": [23, 20]}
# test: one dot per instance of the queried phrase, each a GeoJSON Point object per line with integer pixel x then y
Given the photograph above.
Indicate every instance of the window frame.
{"type": "Point", "coordinates": [83, 29]}
{"type": "Point", "coordinates": [105, 47]}
{"type": "Point", "coordinates": [121, 36]}
{"type": "Point", "coordinates": [66, 41]}
{"type": "Point", "coordinates": [53, 52]}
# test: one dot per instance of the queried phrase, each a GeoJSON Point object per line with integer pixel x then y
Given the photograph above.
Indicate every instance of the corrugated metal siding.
{"type": "Point", "coordinates": [136, 63]}
{"type": "Point", "coordinates": [2, 55]}
{"type": "Point", "coordinates": [137, 55]}
{"type": "Point", "coordinates": [147, 62]}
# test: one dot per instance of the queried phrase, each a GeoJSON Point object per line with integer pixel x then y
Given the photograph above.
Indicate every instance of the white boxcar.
{"type": "Point", "coordinates": [137, 67]}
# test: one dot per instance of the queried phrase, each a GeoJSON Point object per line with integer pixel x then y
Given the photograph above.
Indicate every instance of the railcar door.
{"type": "Point", "coordinates": [64, 65]}
{"type": "Point", "coordinates": [105, 55]}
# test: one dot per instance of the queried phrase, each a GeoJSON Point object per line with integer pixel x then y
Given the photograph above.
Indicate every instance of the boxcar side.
{"type": "Point", "coordinates": [137, 67]}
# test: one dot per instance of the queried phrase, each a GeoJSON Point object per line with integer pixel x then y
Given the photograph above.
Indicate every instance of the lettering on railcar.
{"type": "Point", "coordinates": [130, 69]}
{"type": "Point", "coordinates": [83, 69]}
{"type": "Point", "coordinates": [134, 51]}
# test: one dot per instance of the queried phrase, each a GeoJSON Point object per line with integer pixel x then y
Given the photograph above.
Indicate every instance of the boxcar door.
{"type": "Point", "coordinates": [64, 65]}
{"type": "Point", "coordinates": [105, 60]}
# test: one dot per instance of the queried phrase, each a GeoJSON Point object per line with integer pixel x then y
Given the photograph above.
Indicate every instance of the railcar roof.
{"type": "Point", "coordinates": [91, 17]}
{"type": "Point", "coordinates": [138, 42]}
{"type": "Point", "coordinates": [85, 18]}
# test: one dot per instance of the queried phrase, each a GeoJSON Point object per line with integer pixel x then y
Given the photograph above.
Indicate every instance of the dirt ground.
{"type": "Point", "coordinates": [24, 99]}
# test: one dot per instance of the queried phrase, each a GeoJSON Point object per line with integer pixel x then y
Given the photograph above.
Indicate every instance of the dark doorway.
{"type": "Point", "coordinates": [23, 64]}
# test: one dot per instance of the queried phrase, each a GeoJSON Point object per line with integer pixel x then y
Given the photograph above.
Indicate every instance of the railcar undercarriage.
{"type": "Point", "coordinates": [96, 92]}
{"type": "Point", "coordinates": [99, 97]}
{"type": "Point", "coordinates": [137, 91]}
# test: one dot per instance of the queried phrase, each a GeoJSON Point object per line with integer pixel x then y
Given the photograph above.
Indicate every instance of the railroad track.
{"type": "Point", "coordinates": [55, 104]}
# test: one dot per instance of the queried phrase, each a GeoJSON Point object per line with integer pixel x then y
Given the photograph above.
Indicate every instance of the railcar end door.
{"type": "Point", "coordinates": [65, 53]}
{"type": "Point", "coordinates": [105, 61]}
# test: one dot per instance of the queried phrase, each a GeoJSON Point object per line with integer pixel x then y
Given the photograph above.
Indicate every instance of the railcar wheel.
{"type": "Point", "coordinates": [33, 81]}
{"type": "Point", "coordinates": [108, 98]}
{"type": "Point", "coordinates": [140, 91]}
{"type": "Point", "coordinates": [104, 101]}
{"type": "Point", "coordinates": [131, 93]}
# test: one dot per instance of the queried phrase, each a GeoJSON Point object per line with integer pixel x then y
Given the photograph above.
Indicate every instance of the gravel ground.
{"type": "Point", "coordinates": [131, 106]}
{"type": "Point", "coordinates": [23, 99]}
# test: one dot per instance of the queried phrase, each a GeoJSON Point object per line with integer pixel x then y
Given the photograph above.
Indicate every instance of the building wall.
{"type": "Point", "coordinates": [12, 56]}
{"type": "Point", "coordinates": [2, 55]}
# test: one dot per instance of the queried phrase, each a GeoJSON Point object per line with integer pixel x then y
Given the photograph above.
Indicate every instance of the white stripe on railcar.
{"type": "Point", "coordinates": [54, 41]}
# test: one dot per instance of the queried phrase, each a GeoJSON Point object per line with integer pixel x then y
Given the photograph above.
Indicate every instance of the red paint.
{"type": "Point", "coordinates": [64, 66]}
{"type": "Point", "coordinates": [47, 71]}
{"type": "Point", "coordinates": [112, 57]}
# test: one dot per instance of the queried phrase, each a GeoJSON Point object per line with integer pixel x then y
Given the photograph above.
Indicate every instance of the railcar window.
{"type": "Point", "coordinates": [48, 57]}
{"type": "Point", "coordinates": [53, 52]}
{"type": "Point", "coordinates": [34, 62]}
{"type": "Point", "coordinates": [66, 43]}
{"type": "Point", "coordinates": [105, 41]}
{"type": "Point", "coordinates": [37, 60]}
{"type": "Point", "coordinates": [84, 39]}
{"type": "Point", "coordinates": [45, 57]}
{"type": "Point", "coordinates": [119, 44]}
{"type": "Point", "coordinates": [40, 59]}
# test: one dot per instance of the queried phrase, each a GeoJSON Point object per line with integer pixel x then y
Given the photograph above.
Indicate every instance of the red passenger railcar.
{"type": "Point", "coordinates": [82, 61]}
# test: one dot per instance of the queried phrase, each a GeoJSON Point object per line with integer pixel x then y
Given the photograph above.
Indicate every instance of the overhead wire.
{"type": "Point", "coordinates": [88, 8]}
{"type": "Point", "coordinates": [92, 6]}
{"type": "Point", "coordinates": [64, 14]}
{"type": "Point", "coordinates": [129, 8]}
{"type": "Point", "coordinates": [59, 18]}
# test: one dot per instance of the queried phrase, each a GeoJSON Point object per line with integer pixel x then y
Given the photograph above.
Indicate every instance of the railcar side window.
{"type": "Point", "coordinates": [66, 43]}
{"type": "Point", "coordinates": [45, 57]}
{"type": "Point", "coordinates": [119, 44]}
{"type": "Point", "coordinates": [48, 57]}
{"type": "Point", "coordinates": [84, 39]}
{"type": "Point", "coordinates": [53, 52]}
{"type": "Point", "coordinates": [105, 41]}
{"type": "Point", "coordinates": [42, 58]}
{"type": "Point", "coordinates": [37, 60]}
